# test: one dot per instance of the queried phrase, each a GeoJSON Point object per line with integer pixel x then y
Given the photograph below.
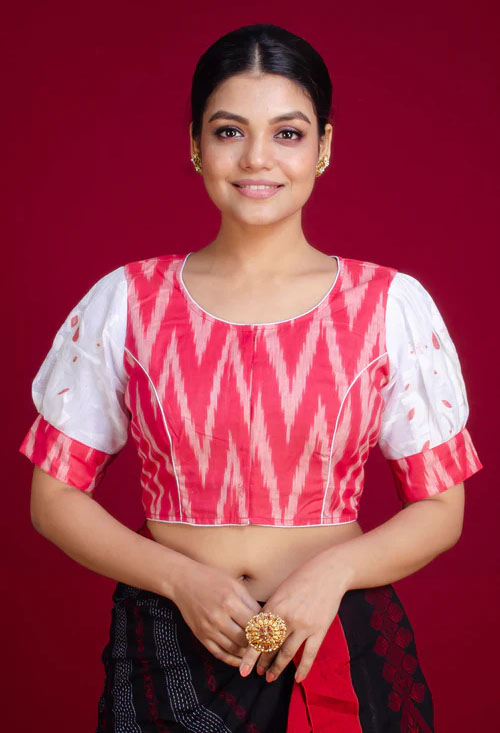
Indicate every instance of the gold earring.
{"type": "Point", "coordinates": [196, 160]}
{"type": "Point", "coordinates": [322, 165]}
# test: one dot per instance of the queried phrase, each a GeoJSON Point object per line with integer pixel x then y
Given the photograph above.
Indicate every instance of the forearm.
{"type": "Point", "coordinates": [91, 536]}
{"type": "Point", "coordinates": [395, 549]}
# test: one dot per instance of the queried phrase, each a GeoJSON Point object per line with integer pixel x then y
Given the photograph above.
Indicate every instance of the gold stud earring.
{"type": "Point", "coordinates": [196, 160]}
{"type": "Point", "coordinates": [322, 165]}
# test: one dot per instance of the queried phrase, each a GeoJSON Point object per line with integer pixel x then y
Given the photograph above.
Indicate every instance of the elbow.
{"type": "Point", "coordinates": [456, 527]}
{"type": "Point", "coordinates": [36, 513]}
{"type": "Point", "coordinates": [36, 522]}
{"type": "Point", "coordinates": [455, 535]}
{"type": "Point", "coordinates": [451, 533]}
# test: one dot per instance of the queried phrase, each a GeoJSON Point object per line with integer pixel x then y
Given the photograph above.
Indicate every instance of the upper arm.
{"type": "Point", "coordinates": [45, 488]}
{"type": "Point", "coordinates": [423, 433]}
{"type": "Point", "coordinates": [453, 499]}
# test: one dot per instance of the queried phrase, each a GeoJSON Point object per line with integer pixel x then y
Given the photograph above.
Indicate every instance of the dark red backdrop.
{"type": "Point", "coordinates": [98, 174]}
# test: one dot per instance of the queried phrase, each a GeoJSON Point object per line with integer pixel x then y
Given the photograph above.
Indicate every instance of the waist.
{"type": "Point", "coordinates": [260, 556]}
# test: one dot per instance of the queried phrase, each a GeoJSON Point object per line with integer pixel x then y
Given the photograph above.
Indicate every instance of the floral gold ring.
{"type": "Point", "coordinates": [266, 631]}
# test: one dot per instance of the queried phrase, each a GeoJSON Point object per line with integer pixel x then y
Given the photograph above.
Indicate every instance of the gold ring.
{"type": "Point", "coordinates": [266, 631]}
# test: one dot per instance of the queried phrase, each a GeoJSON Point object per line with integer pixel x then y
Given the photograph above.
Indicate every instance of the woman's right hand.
{"type": "Point", "coordinates": [216, 607]}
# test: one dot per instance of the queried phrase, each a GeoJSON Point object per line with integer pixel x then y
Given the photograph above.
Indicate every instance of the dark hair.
{"type": "Point", "coordinates": [267, 48]}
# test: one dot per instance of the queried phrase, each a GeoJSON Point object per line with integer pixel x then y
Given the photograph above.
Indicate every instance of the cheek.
{"type": "Point", "coordinates": [219, 169]}
{"type": "Point", "coordinates": [300, 165]}
{"type": "Point", "coordinates": [218, 158]}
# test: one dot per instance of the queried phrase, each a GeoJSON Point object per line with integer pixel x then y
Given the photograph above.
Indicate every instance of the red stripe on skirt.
{"type": "Point", "coordinates": [325, 700]}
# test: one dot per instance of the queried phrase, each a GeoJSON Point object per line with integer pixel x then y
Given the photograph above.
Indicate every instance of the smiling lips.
{"type": "Point", "coordinates": [259, 189]}
{"type": "Point", "coordinates": [256, 182]}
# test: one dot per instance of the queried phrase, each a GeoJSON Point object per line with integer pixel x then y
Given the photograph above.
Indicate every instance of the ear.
{"type": "Point", "coordinates": [192, 143]}
{"type": "Point", "coordinates": [325, 143]}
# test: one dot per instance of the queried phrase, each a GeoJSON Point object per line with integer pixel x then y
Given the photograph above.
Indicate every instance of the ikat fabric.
{"type": "Point", "coordinates": [267, 423]}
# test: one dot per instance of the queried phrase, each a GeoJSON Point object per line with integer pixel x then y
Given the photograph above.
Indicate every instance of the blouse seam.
{"type": "Point", "coordinates": [337, 422]}
{"type": "Point", "coordinates": [164, 423]}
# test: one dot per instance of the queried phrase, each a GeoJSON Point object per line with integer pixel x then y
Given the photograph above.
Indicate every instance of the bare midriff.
{"type": "Point", "coordinates": [259, 556]}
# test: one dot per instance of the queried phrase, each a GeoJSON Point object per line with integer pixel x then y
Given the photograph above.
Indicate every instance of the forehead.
{"type": "Point", "coordinates": [256, 95]}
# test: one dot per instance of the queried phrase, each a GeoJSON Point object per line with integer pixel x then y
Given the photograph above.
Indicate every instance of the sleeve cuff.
{"type": "Point", "coordinates": [436, 469]}
{"type": "Point", "coordinates": [64, 458]}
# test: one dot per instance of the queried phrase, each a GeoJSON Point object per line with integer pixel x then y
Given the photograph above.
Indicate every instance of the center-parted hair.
{"type": "Point", "coordinates": [268, 49]}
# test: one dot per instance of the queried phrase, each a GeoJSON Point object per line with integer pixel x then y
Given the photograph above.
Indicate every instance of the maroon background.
{"type": "Point", "coordinates": [95, 126]}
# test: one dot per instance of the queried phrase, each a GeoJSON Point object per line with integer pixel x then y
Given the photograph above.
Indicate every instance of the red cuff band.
{"type": "Point", "coordinates": [64, 458]}
{"type": "Point", "coordinates": [436, 469]}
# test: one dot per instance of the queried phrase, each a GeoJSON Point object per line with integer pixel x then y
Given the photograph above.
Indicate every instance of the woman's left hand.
{"type": "Point", "coordinates": [308, 599]}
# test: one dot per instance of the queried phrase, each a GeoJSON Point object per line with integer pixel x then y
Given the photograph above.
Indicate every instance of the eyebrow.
{"type": "Point", "coordinates": [295, 115]}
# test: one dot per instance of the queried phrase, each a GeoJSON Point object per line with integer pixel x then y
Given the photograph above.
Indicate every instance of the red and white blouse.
{"type": "Point", "coordinates": [253, 423]}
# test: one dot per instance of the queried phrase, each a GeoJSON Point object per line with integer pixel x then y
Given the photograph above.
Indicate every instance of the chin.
{"type": "Point", "coordinates": [259, 219]}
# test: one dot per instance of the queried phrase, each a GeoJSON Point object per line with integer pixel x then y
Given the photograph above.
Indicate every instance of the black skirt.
{"type": "Point", "coordinates": [366, 675]}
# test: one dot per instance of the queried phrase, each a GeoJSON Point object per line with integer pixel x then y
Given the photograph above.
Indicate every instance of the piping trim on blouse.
{"type": "Point", "coordinates": [337, 422]}
{"type": "Point", "coordinates": [266, 323]}
{"type": "Point", "coordinates": [164, 423]}
{"type": "Point", "coordinates": [258, 524]}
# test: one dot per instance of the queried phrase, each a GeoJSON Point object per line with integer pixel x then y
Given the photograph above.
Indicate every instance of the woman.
{"type": "Point", "coordinates": [255, 375]}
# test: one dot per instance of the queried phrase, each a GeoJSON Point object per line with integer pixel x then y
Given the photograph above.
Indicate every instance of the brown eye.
{"type": "Point", "coordinates": [220, 130]}
{"type": "Point", "coordinates": [291, 132]}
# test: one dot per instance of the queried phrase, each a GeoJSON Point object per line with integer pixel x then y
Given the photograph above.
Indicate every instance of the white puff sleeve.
{"type": "Point", "coordinates": [423, 433]}
{"type": "Point", "coordinates": [79, 389]}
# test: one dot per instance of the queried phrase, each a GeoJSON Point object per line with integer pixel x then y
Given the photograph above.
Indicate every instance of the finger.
{"type": "Point", "coordinates": [219, 653]}
{"type": "Point", "coordinates": [247, 605]}
{"type": "Point", "coordinates": [265, 660]}
{"type": "Point", "coordinates": [227, 644]}
{"type": "Point", "coordinates": [241, 616]}
{"type": "Point", "coordinates": [252, 606]}
{"type": "Point", "coordinates": [248, 660]}
{"type": "Point", "coordinates": [284, 655]}
{"type": "Point", "coordinates": [310, 650]}
{"type": "Point", "coordinates": [235, 632]}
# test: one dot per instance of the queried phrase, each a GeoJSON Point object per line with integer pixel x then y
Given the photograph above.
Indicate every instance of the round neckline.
{"type": "Point", "coordinates": [194, 305]}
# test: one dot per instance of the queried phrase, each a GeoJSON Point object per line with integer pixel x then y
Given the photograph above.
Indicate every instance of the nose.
{"type": "Point", "coordinates": [257, 153]}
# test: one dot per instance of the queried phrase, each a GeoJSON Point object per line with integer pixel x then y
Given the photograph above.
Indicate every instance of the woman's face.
{"type": "Point", "coordinates": [256, 146]}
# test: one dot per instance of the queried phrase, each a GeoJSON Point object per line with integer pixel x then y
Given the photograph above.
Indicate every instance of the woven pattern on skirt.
{"type": "Point", "coordinates": [160, 677]}
{"type": "Point", "coordinates": [365, 677]}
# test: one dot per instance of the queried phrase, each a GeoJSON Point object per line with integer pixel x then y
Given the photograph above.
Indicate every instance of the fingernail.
{"type": "Point", "coordinates": [244, 670]}
{"type": "Point", "coordinates": [270, 677]}
{"type": "Point", "coordinates": [260, 670]}
{"type": "Point", "coordinates": [298, 678]}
